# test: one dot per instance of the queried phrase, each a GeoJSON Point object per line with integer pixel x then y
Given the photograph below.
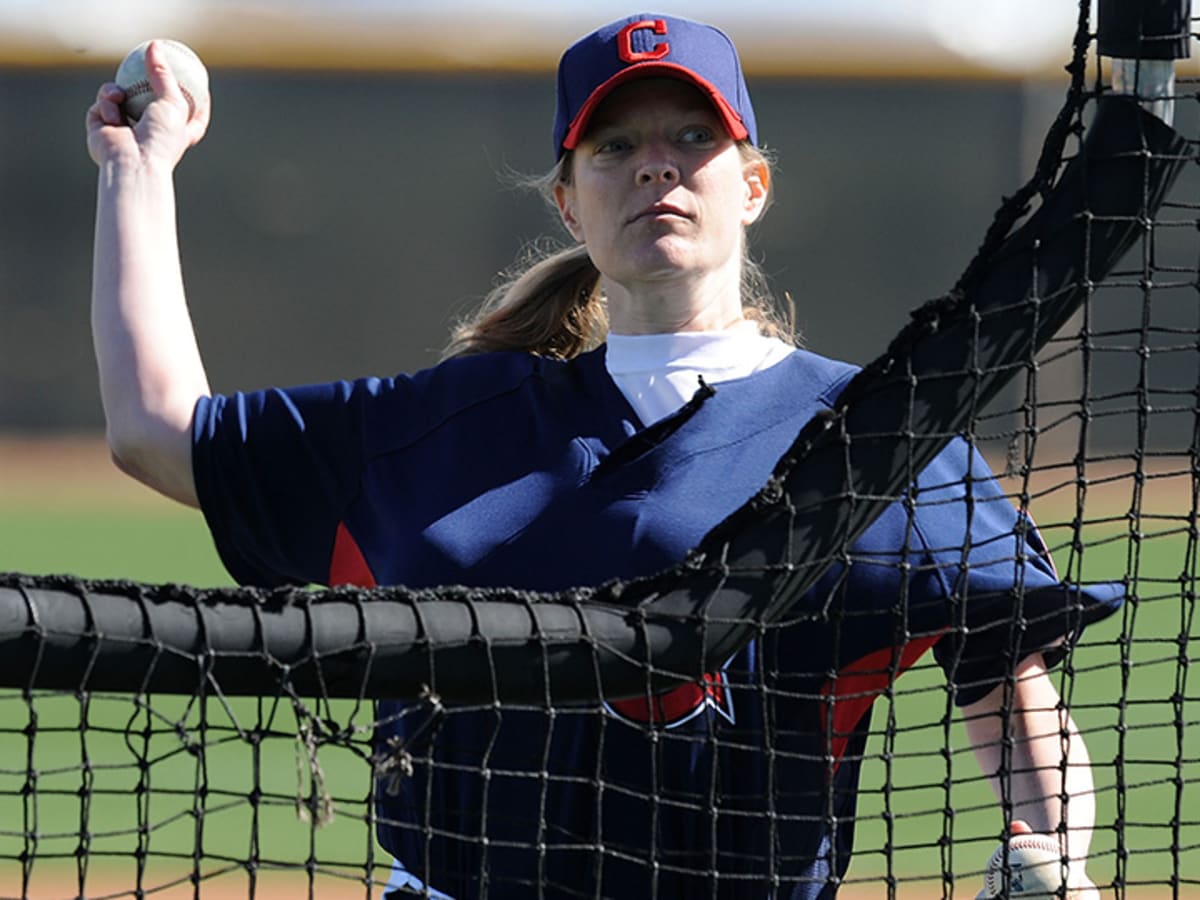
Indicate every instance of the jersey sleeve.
{"type": "Point", "coordinates": [1002, 598]}
{"type": "Point", "coordinates": [286, 475]}
{"type": "Point", "coordinates": [274, 471]}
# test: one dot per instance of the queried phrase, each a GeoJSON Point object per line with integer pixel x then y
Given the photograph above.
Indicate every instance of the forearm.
{"type": "Point", "coordinates": [150, 369]}
{"type": "Point", "coordinates": [1035, 758]}
{"type": "Point", "coordinates": [1051, 782]}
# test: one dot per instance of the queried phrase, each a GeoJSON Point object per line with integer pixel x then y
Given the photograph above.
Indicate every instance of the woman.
{"type": "Point", "coordinates": [570, 458]}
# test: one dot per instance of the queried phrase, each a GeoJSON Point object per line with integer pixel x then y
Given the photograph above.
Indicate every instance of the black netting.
{"type": "Point", "coordinates": [188, 742]}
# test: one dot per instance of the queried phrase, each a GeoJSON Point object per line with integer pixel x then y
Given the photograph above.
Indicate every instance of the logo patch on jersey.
{"type": "Point", "coordinates": [679, 705]}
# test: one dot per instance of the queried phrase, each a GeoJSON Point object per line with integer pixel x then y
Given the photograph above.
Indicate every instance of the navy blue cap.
{"type": "Point", "coordinates": [647, 45]}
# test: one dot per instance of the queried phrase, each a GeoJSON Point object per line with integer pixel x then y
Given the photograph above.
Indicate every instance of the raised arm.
{"type": "Point", "coordinates": [151, 374]}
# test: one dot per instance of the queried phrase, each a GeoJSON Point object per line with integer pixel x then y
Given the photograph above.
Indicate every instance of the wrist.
{"type": "Point", "coordinates": [130, 169]}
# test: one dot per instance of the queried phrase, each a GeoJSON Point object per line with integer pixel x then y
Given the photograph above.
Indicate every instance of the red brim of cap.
{"type": "Point", "coordinates": [729, 116]}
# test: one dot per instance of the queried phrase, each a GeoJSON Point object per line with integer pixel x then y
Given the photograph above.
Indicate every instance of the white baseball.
{"type": "Point", "coordinates": [1034, 865]}
{"type": "Point", "coordinates": [185, 65]}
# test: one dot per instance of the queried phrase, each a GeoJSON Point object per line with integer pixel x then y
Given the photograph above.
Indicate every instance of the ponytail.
{"type": "Point", "coordinates": [552, 306]}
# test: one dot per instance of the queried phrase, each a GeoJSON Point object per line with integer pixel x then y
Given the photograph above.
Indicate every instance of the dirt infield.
{"type": "Point", "coordinates": [62, 883]}
{"type": "Point", "coordinates": [71, 472]}
{"type": "Point", "coordinates": [292, 886]}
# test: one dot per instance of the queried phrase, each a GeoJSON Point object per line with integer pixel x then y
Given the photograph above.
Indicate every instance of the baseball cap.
{"type": "Point", "coordinates": [646, 45]}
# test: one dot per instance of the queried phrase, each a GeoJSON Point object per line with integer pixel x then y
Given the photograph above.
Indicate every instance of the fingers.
{"type": "Point", "coordinates": [198, 124]}
{"type": "Point", "coordinates": [1020, 826]}
{"type": "Point", "coordinates": [107, 108]}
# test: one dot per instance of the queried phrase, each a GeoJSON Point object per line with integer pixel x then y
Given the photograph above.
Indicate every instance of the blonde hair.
{"type": "Point", "coordinates": [550, 303]}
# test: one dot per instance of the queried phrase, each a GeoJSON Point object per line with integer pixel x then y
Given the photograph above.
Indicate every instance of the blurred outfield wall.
{"type": "Point", "coordinates": [334, 224]}
{"type": "Point", "coordinates": [335, 221]}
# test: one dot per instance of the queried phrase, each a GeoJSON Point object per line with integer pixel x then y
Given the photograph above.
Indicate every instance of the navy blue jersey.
{"type": "Point", "coordinates": [508, 469]}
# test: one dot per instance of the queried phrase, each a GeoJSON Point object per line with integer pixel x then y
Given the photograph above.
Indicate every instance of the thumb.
{"type": "Point", "coordinates": [1020, 826]}
{"type": "Point", "coordinates": [162, 79]}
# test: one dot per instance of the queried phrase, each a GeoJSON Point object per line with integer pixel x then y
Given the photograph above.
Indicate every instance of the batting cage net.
{"type": "Point", "coordinates": [737, 725]}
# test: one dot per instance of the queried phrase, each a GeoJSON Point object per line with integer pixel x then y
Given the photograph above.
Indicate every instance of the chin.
{"type": "Point", "coordinates": [665, 258]}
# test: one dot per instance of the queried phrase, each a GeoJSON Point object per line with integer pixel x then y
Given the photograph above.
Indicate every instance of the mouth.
{"type": "Point", "coordinates": [660, 211]}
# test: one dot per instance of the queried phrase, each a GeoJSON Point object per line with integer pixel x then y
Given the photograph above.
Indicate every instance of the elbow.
{"type": "Point", "coordinates": [125, 456]}
{"type": "Point", "coordinates": [131, 454]}
{"type": "Point", "coordinates": [119, 457]}
{"type": "Point", "coordinates": [160, 457]}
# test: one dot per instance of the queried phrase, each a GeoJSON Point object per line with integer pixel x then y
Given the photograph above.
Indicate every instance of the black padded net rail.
{"type": "Point", "coordinates": [698, 733]}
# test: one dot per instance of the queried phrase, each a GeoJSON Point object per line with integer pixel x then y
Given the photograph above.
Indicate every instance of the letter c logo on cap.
{"type": "Point", "coordinates": [625, 41]}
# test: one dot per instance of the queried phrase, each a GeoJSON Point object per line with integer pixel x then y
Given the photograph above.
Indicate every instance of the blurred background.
{"type": "Point", "coordinates": [351, 199]}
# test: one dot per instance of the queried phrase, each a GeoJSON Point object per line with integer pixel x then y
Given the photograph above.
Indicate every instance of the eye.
{"type": "Point", "coordinates": [609, 146]}
{"type": "Point", "coordinates": [697, 134]}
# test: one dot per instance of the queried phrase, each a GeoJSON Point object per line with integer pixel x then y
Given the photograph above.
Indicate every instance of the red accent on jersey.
{"type": "Point", "coordinates": [625, 41]}
{"type": "Point", "coordinates": [679, 704]}
{"type": "Point", "coordinates": [855, 688]}
{"type": "Point", "coordinates": [348, 566]}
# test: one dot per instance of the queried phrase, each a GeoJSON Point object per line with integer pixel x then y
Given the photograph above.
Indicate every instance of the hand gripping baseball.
{"type": "Point", "coordinates": [169, 126]}
{"type": "Point", "coordinates": [1034, 870]}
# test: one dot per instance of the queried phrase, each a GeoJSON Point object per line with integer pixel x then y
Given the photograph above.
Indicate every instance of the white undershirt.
{"type": "Point", "coordinates": [658, 373]}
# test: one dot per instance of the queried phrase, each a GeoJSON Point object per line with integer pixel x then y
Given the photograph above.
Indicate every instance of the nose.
{"type": "Point", "coordinates": [657, 167]}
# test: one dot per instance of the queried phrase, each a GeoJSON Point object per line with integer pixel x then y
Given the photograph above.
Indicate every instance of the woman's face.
{"type": "Point", "coordinates": [658, 189]}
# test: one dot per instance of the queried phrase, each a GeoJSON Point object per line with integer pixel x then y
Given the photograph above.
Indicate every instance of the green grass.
{"type": "Point", "coordinates": [155, 543]}
{"type": "Point", "coordinates": [1145, 764]}
{"type": "Point", "coordinates": [106, 796]}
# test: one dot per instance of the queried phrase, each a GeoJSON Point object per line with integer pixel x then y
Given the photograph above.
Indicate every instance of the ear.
{"type": "Point", "coordinates": [564, 197]}
{"type": "Point", "coordinates": [758, 188]}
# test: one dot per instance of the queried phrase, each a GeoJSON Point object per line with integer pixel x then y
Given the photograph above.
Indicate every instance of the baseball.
{"type": "Point", "coordinates": [186, 66]}
{"type": "Point", "coordinates": [1035, 868]}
